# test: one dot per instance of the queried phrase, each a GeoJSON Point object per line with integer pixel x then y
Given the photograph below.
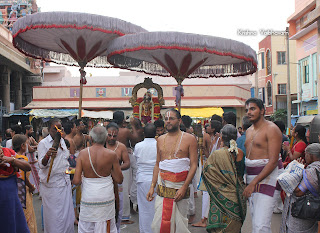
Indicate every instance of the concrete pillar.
{"type": "Point", "coordinates": [5, 81]}
{"type": "Point", "coordinates": [18, 90]}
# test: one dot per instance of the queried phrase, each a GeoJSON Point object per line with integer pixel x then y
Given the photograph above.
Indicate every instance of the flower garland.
{"type": "Point", "coordinates": [233, 146]}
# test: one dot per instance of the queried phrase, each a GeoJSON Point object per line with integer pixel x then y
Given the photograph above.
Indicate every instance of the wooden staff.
{"type": "Point", "coordinates": [56, 143]}
{"type": "Point", "coordinates": [198, 132]}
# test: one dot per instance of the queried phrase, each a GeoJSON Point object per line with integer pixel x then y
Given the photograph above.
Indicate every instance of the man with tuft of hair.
{"type": "Point", "coordinates": [175, 167]}
{"type": "Point", "coordinates": [100, 169]}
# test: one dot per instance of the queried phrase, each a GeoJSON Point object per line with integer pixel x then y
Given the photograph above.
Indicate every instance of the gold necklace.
{"type": "Point", "coordinates": [173, 148]}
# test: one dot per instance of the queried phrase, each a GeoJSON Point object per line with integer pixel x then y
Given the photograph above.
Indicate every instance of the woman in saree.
{"type": "Point", "coordinates": [309, 184]}
{"type": "Point", "coordinates": [11, 213]}
{"type": "Point", "coordinates": [223, 179]}
{"type": "Point", "coordinates": [19, 145]}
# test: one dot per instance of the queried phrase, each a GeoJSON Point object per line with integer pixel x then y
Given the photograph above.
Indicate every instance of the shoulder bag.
{"type": "Point", "coordinates": [307, 206]}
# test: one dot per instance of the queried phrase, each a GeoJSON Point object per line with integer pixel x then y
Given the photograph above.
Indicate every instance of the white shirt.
{"type": "Point", "coordinates": [9, 144]}
{"type": "Point", "coordinates": [58, 176]}
{"type": "Point", "coordinates": [146, 156]}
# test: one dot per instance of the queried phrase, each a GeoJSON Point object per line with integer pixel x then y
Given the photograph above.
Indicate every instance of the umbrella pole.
{"type": "Point", "coordinates": [80, 99]}
{"type": "Point", "coordinates": [179, 80]}
{"type": "Point", "coordinates": [82, 81]}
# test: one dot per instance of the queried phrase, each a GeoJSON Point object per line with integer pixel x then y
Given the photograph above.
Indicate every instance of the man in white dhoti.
{"type": "Point", "coordinates": [122, 153]}
{"type": "Point", "coordinates": [129, 139]}
{"type": "Point", "coordinates": [145, 153]}
{"type": "Point", "coordinates": [58, 214]}
{"type": "Point", "coordinates": [99, 167]}
{"type": "Point", "coordinates": [263, 144]}
{"type": "Point", "coordinates": [175, 167]}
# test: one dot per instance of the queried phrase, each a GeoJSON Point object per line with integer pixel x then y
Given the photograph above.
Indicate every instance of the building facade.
{"type": "Point", "coordinates": [272, 73]}
{"type": "Point", "coordinates": [18, 73]}
{"type": "Point", "coordinates": [61, 91]}
{"type": "Point", "coordinates": [306, 36]}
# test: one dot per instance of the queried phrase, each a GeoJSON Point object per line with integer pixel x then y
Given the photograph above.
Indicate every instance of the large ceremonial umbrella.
{"type": "Point", "coordinates": [69, 38]}
{"type": "Point", "coordinates": [182, 55]}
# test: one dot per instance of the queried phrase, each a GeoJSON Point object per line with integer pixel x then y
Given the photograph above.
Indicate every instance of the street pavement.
{"type": "Point", "coordinates": [134, 228]}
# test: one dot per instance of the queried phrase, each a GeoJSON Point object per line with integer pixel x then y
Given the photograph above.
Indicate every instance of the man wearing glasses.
{"type": "Point", "coordinates": [175, 167]}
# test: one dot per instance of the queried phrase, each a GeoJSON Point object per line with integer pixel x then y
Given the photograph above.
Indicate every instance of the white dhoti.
{"type": "Point", "coordinates": [192, 206]}
{"type": "Point", "coordinates": [58, 213]}
{"type": "Point", "coordinates": [88, 227]}
{"type": "Point", "coordinates": [171, 216]}
{"type": "Point", "coordinates": [261, 208]}
{"type": "Point", "coordinates": [262, 200]}
{"type": "Point", "coordinates": [205, 204]}
{"type": "Point", "coordinates": [129, 186]}
{"type": "Point", "coordinates": [146, 208]}
{"type": "Point", "coordinates": [120, 190]}
{"type": "Point", "coordinates": [133, 188]}
{"type": "Point", "coordinates": [126, 199]}
{"type": "Point", "coordinates": [97, 205]}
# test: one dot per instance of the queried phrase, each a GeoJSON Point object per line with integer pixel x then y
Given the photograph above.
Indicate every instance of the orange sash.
{"type": "Point", "coordinates": [168, 202]}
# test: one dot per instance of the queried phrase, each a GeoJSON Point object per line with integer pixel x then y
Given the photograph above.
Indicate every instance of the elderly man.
{"type": "Point", "coordinates": [100, 167]}
{"type": "Point", "coordinates": [58, 213]}
{"type": "Point", "coordinates": [146, 155]}
{"type": "Point", "coordinates": [175, 167]}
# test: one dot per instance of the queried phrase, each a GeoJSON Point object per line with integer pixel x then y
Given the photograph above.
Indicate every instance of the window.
{"type": "Point", "coordinates": [282, 89]}
{"type": "Point", "coordinates": [268, 62]}
{"type": "Point", "coordinates": [262, 60]}
{"type": "Point", "coordinates": [298, 24]}
{"type": "Point", "coordinates": [305, 71]}
{"type": "Point", "coordinates": [269, 93]}
{"type": "Point", "coordinates": [281, 58]}
{"type": "Point", "coordinates": [261, 94]}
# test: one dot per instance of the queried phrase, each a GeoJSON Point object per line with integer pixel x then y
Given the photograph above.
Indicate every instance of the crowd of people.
{"type": "Point", "coordinates": [94, 180]}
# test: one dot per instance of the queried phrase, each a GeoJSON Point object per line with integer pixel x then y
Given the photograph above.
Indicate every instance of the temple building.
{"type": "Point", "coordinates": [61, 91]}
{"type": "Point", "coordinates": [18, 73]}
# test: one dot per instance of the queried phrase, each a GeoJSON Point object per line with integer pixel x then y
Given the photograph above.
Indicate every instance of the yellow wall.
{"type": "Point", "coordinates": [279, 43]}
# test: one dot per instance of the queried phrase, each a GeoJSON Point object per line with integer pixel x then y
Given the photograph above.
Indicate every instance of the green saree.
{"type": "Point", "coordinates": [227, 204]}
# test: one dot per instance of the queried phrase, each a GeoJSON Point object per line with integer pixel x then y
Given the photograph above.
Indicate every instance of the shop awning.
{"type": "Point", "coordinates": [17, 113]}
{"type": "Point", "coordinates": [47, 113]}
{"type": "Point", "coordinates": [97, 114]}
{"type": "Point", "coordinates": [201, 112]}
